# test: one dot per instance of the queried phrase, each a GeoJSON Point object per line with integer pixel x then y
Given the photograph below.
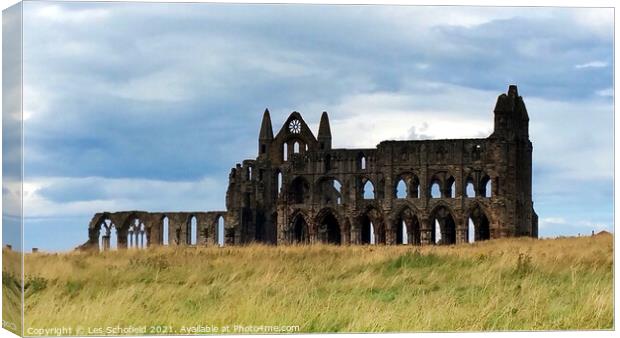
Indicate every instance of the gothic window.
{"type": "Point", "coordinates": [368, 191]}
{"type": "Point", "coordinates": [435, 188]}
{"type": "Point", "coordinates": [470, 190]}
{"type": "Point", "coordinates": [401, 189]}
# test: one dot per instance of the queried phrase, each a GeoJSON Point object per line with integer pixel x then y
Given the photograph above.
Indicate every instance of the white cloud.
{"type": "Point", "coordinates": [592, 64]}
{"type": "Point", "coordinates": [608, 92]}
{"type": "Point", "coordinates": [57, 13]}
{"type": "Point", "coordinates": [546, 222]}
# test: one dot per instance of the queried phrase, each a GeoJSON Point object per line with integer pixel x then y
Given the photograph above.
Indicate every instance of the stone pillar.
{"type": "Point", "coordinates": [461, 235]}
{"type": "Point", "coordinates": [426, 231]}
{"type": "Point", "coordinates": [105, 240]}
{"type": "Point", "coordinates": [390, 231]}
{"type": "Point", "coordinates": [355, 233]}
{"type": "Point", "coordinates": [93, 238]}
{"type": "Point", "coordinates": [345, 234]}
{"type": "Point", "coordinates": [121, 238]}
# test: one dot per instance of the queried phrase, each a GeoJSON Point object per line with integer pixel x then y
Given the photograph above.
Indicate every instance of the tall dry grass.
{"type": "Point", "coordinates": [512, 284]}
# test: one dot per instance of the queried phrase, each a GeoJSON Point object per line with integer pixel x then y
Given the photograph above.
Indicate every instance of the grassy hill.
{"type": "Point", "coordinates": [511, 284]}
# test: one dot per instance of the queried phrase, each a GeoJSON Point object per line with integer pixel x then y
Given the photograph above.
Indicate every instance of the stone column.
{"type": "Point", "coordinates": [121, 238]}
{"type": "Point", "coordinates": [426, 231]}
{"type": "Point", "coordinates": [390, 233]}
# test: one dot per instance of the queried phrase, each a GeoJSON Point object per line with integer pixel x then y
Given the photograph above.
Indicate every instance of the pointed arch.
{"type": "Point", "coordinates": [299, 232]}
{"type": "Point", "coordinates": [219, 232]}
{"type": "Point", "coordinates": [368, 189]}
{"type": "Point", "coordinates": [372, 227]}
{"type": "Point", "coordinates": [434, 188]}
{"type": "Point", "coordinates": [328, 190]}
{"type": "Point", "coordinates": [442, 219]}
{"type": "Point", "coordinates": [450, 187]}
{"type": "Point", "coordinates": [470, 187]}
{"type": "Point", "coordinates": [192, 230]}
{"type": "Point", "coordinates": [401, 189]}
{"type": "Point", "coordinates": [361, 161]}
{"type": "Point", "coordinates": [165, 230]}
{"type": "Point", "coordinates": [407, 226]}
{"type": "Point", "coordinates": [478, 220]}
{"type": "Point", "coordinates": [329, 231]}
{"type": "Point", "coordinates": [485, 186]}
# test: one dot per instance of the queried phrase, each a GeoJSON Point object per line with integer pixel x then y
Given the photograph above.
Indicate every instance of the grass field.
{"type": "Point", "coordinates": [512, 284]}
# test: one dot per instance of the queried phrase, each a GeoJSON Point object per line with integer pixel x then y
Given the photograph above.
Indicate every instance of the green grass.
{"type": "Point", "coordinates": [11, 291]}
{"type": "Point", "coordinates": [512, 284]}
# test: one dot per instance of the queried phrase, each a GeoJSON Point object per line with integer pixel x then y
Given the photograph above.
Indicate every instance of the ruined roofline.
{"type": "Point", "coordinates": [159, 212]}
{"type": "Point", "coordinates": [389, 142]}
{"type": "Point", "coordinates": [436, 140]}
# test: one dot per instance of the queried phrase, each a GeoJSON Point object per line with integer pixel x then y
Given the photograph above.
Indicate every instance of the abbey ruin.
{"type": "Point", "coordinates": [299, 189]}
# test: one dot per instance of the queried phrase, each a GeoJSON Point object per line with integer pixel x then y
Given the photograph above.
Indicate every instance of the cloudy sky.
{"type": "Point", "coordinates": [148, 106]}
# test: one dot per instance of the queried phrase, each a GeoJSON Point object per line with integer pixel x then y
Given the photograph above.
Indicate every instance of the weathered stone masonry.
{"type": "Point", "coordinates": [301, 190]}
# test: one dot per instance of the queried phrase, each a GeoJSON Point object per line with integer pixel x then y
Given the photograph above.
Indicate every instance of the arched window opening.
{"type": "Point", "coordinates": [113, 237]}
{"type": "Point", "coordinates": [338, 188]}
{"type": "Point", "coordinates": [485, 186]}
{"type": "Point", "coordinates": [414, 188]}
{"type": "Point", "coordinates": [401, 189]}
{"type": "Point", "coordinates": [279, 182]}
{"type": "Point", "coordinates": [285, 152]}
{"type": "Point", "coordinates": [471, 231]}
{"type": "Point", "coordinates": [296, 147]}
{"type": "Point", "coordinates": [193, 231]}
{"type": "Point", "coordinates": [107, 236]}
{"type": "Point", "coordinates": [488, 189]}
{"type": "Point", "coordinates": [363, 163]}
{"type": "Point", "coordinates": [165, 231]}
{"type": "Point", "coordinates": [373, 240]}
{"type": "Point", "coordinates": [435, 189]}
{"type": "Point", "coordinates": [329, 191]}
{"type": "Point", "coordinates": [220, 231]}
{"type": "Point", "coordinates": [402, 237]}
{"type": "Point", "coordinates": [479, 226]}
{"type": "Point", "coordinates": [143, 241]}
{"type": "Point", "coordinates": [444, 226]}
{"type": "Point", "coordinates": [470, 189]}
{"type": "Point", "coordinates": [263, 148]}
{"type": "Point", "coordinates": [132, 234]}
{"type": "Point", "coordinates": [300, 231]}
{"type": "Point", "coordinates": [329, 229]}
{"type": "Point", "coordinates": [368, 190]}
{"type": "Point", "coordinates": [102, 234]}
{"type": "Point", "coordinates": [306, 147]}
{"type": "Point", "coordinates": [451, 193]}
{"type": "Point", "coordinates": [249, 173]}
{"type": "Point", "coordinates": [437, 233]}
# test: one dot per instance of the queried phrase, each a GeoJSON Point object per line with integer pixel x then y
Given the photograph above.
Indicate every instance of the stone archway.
{"type": "Point", "coordinates": [299, 230]}
{"type": "Point", "coordinates": [328, 231]}
{"type": "Point", "coordinates": [443, 226]}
